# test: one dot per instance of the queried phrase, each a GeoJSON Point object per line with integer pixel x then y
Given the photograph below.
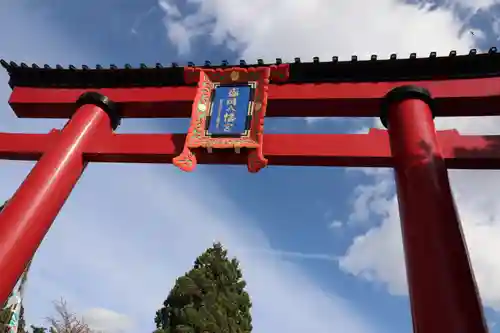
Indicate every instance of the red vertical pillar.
{"type": "Point", "coordinates": [443, 292]}
{"type": "Point", "coordinates": [28, 215]}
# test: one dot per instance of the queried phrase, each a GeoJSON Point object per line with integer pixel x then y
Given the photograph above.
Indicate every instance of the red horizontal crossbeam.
{"type": "Point", "coordinates": [454, 98]}
{"type": "Point", "coordinates": [353, 150]}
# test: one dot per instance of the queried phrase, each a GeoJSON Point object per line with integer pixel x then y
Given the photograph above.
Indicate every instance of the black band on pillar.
{"type": "Point", "coordinates": [401, 93]}
{"type": "Point", "coordinates": [110, 107]}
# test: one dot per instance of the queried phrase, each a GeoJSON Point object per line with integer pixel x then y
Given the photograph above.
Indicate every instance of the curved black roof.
{"type": "Point", "coordinates": [453, 66]}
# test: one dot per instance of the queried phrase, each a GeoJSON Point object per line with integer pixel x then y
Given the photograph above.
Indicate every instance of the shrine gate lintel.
{"type": "Point", "coordinates": [405, 93]}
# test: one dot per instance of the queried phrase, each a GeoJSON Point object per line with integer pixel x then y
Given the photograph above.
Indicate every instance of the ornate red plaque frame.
{"type": "Point", "coordinates": [251, 141]}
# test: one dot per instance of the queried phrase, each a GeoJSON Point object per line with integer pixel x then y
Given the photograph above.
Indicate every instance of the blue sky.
{"type": "Point", "coordinates": [320, 247]}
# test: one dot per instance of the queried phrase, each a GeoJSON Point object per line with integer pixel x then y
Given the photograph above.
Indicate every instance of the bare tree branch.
{"type": "Point", "coordinates": [65, 321]}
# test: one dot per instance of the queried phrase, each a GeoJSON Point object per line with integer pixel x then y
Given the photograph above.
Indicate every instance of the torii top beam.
{"type": "Point", "coordinates": [465, 85]}
{"type": "Point", "coordinates": [461, 86]}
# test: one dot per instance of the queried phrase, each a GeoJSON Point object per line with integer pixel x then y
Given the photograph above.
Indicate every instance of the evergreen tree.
{"type": "Point", "coordinates": [36, 329]}
{"type": "Point", "coordinates": [5, 315]}
{"type": "Point", "coordinates": [210, 298]}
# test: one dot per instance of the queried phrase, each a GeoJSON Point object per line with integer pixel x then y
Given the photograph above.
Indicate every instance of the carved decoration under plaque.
{"type": "Point", "coordinates": [228, 113]}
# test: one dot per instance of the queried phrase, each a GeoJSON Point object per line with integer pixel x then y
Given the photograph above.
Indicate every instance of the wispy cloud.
{"type": "Point", "coordinates": [140, 18]}
{"type": "Point", "coordinates": [292, 254]}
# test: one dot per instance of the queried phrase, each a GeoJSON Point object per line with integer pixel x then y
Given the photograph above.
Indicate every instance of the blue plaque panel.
{"type": "Point", "coordinates": [230, 109]}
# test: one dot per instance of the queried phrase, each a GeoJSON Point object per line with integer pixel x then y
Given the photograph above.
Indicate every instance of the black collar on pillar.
{"type": "Point", "coordinates": [102, 101]}
{"type": "Point", "coordinates": [401, 93]}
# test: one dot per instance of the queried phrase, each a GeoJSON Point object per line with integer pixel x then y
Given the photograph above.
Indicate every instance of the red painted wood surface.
{"type": "Point", "coordinates": [466, 97]}
{"type": "Point", "coordinates": [29, 214]}
{"type": "Point", "coordinates": [355, 150]}
{"type": "Point", "coordinates": [443, 293]}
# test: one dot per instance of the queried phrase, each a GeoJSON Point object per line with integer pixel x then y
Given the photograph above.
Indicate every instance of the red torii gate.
{"type": "Point", "coordinates": [405, 93]}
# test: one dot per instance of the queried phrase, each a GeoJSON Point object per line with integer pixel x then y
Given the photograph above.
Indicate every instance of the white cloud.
{"type": "Point", "coordinates": [290, 28]}
{"type": "Point", "coordinates": [107, 321]}
{"type": "Point", "coordinates": [377, 255]}
{"type": "Point", "coordinates": [335, 224]}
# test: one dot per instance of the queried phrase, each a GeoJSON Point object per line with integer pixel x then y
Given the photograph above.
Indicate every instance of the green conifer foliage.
{"type": "Point", "coordinates": [36, 329]}
{"type": "Point", "coordinates": [210, 298]}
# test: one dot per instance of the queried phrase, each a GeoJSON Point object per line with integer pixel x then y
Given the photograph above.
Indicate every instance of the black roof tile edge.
{"type": "Point", "coordinates": [453, 66]}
